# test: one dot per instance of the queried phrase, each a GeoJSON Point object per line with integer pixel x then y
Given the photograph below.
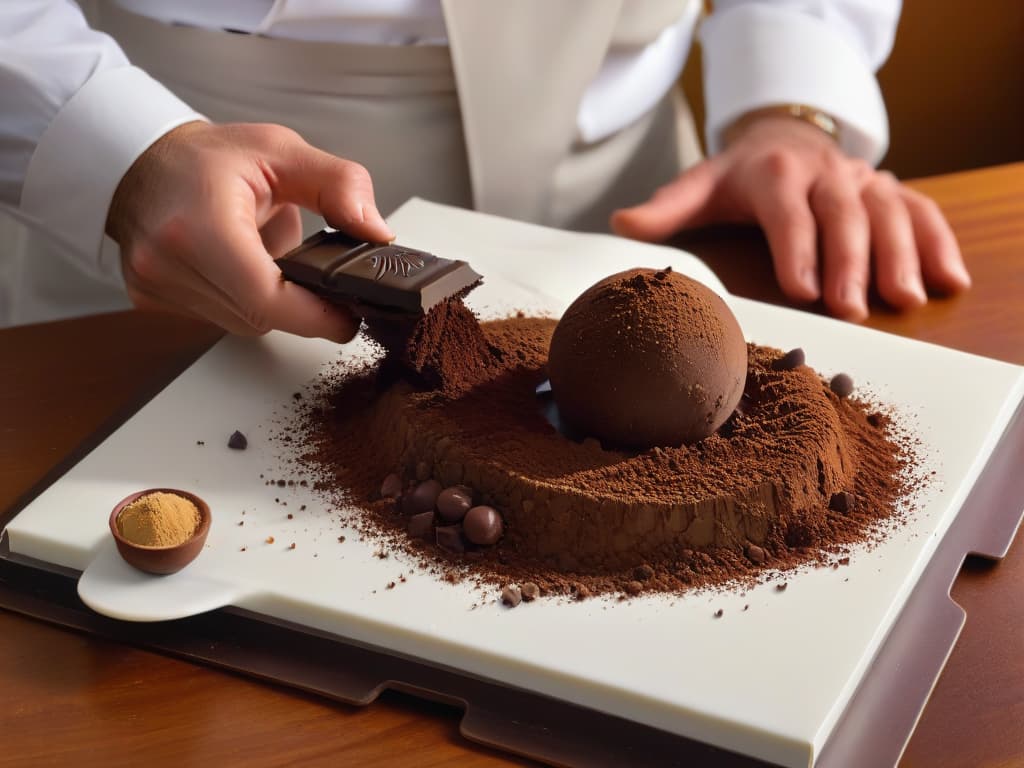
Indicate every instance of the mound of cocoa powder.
{"type": "Point", "coordinates": [443, 350]}
{"type": "Point", "coordinates": [484, 395]}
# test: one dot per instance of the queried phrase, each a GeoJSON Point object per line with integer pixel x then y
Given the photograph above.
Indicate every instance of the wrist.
{"type": "Point", "coordinates": [821, 121]}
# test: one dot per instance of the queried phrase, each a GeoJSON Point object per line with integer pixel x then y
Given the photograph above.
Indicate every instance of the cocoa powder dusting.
{"type": "Point", "coordinates": [735, 508]}
{"type": "Point", "coordinates": [443, 350]}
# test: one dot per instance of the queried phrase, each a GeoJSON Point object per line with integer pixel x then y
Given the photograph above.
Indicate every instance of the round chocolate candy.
{"type": "Point", "coordinates": [482, 525]}
{"type": "Point", "coordinates": [422, 498]}
{"type": "Point", "coordinates": [453, 503]}
{"type": "Point", "coordinates": [391, 488]}
{"type": "Point", "coordinates": [792, 359]}
{"type": "Point", "coordinates": [841, 384]}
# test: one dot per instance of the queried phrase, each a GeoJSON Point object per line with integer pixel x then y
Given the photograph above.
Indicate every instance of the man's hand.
{"type": "Point", "coordinates": [810, 199]}
{"type": "Point", "coordinates": [202, 213]}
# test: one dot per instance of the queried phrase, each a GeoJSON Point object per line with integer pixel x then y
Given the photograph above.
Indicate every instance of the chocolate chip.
{"type": "Point", "coordinates": [792, 359]}
{"type": "Point", "coordinates": [453, 503]}
{"type": "Point", "coordinates": [643, 573]}
{"type": "Point", "coordinates": [391, 488]}
{"type": "Point", "coordinates": [238, 441]}
{"type": "Point", "coordinates": [530, 591]}
{"type": "Point", "coordinates": [420, 525]}
{"type": "Point", "coordinates": [483, 525]}
{"type": "Point", "coordinates": [422, 471]}
{"type": "Point", "coordinates": [841, 384]}
{"type": "Point", "coordinates": [755, 554]}
{"type": "Point", "coordinates": [450, 537]}
{"type": "Point", "coordinates": [422, 498]}
{"type": "Point", "coordinates": [511, 596]}
{"type": "Point", "coordinates": [841, 502]}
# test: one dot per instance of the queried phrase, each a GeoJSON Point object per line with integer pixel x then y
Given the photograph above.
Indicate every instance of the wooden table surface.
{"type": "Point", "coordinates": [71, 699]}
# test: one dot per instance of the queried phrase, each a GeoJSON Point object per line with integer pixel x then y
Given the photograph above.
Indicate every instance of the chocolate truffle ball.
{"type": "Point", "coordinates": [646, 358]}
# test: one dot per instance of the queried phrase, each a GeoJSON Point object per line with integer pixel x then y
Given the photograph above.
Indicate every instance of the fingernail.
{"type": "Point", "coordinates": [911, 281]}
{"type": "Point", "coordinates": [809, 279]}
{"type": "Point", "coordinates": [853, 296]}
{"type": "Point", "coordinates": [372, 216]}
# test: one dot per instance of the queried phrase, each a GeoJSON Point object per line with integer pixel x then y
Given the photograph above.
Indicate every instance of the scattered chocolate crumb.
{"type": "Point", "coordinates": [241, 522]}
{"type": "Point", "coordinates": [582, 591]}
{"type": "Point", "coordinates": [281, 483]}
{"type": "Point", "coordinates": [292, 545]}
{"type": "Point", "coordinates": [302, 508]}
{"type": "Point", "coordinates": [745, 607]}
{"type": "Point", "coordinates": [341, 539]}
{"type": "Point", "coordinates": [841, 384]}
{"type": "Point", "coordinates": [269, 540]}
{"type": "Point", "coordinates": [290, 515]}
{"type": "Point", "coordinates": [511, 596]}
{"type": "Point", "coordinates": [841, 502]}
{"type": "Point", "coordinates": [391, 585]}
{"type": "Point", "coordinates": [296, 395]}
{"type": "Point", "coordinates": [643, 572]}
{"type": "Point", "coordinates": [530, 591]}
{"type": "Point", "coordinates": [242, 549]}
{"type": "Point", "coordinates": [238, 441]}
{"type": "Point", "coordinates": [718, 613]}
{"type": "Point", "coordinates": [792, 359]}
{"type": "Point", "coordinates": [781, 587]}
{"type": "Point", "coordinates": [844, 560]}
{"type": "Point", "coordinates": [634, 587]}
{"type": "Point", "coordinates": [200, 442]}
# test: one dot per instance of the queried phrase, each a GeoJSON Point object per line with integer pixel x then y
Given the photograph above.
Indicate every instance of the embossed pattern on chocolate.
{"type": "Point", "coordinates": [371, 276]}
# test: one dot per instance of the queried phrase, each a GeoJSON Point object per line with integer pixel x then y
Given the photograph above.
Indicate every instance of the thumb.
{"type": "Point", "coordinates": [678, 204]}
{"type": "Point", "coordinates": [339, 190]}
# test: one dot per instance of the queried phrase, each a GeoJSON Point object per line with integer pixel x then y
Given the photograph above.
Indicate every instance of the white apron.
{"type": "Point", "coordinates": [488, 121]}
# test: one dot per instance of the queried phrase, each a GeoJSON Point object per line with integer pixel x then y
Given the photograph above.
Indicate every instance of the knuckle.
{"type": "Point", "coordinates": [778, 164]}
{"type": "Point", "coordinates": [142, 263]}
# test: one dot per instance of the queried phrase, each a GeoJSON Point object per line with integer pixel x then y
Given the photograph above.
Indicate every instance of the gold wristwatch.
{"type": "Point", "coordinates": [812, 115]}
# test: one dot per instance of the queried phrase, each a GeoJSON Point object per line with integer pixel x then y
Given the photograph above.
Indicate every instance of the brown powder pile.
{"type": "Point", "coordinates": [158, 520]}
{"type": "Point", "coordinates": [796, 476]}
{"type": "Point", "coordinates": [443, 350]}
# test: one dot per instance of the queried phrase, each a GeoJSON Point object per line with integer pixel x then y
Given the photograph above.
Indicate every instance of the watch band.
{"type": "Point", "coordinates": [807, 114]}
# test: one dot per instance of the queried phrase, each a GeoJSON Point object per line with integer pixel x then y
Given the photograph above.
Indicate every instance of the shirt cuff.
{"type": "Point", "coordinates": [85, 151]}
{"type": "Point", "coordinates": [759, 56]}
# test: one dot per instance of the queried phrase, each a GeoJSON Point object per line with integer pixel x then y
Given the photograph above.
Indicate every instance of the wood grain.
{"type": "Point", "coordinates": [70, 699]}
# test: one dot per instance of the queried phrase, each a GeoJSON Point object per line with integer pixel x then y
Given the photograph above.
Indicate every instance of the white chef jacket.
{"type": "Point", "coordinates": [60, 81]}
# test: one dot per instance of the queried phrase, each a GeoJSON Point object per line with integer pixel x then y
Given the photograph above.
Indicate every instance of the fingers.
{"type": "Point", "coordinates": [226, 276]}
{"type": "Point", "coordinates": [785, 215]}
{"type": "Point", "coordinates": [676, 205]}
{"type": "Point", "coordinates": [843, 224]}
{"type": "Point", "coordinates": [897, 268]}
{"type": "Point", "coordinates": [941, 261]}
{"type": "Point", "coordinates": [339, 190]}
{"type": "Point", "coordinates": [238, 263]}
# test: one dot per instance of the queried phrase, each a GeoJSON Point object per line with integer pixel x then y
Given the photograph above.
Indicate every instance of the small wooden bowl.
{"type": "Point", "coordinates": [162, 560]}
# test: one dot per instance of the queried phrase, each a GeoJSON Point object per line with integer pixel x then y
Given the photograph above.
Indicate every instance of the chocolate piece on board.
{"type": "Point", "coordinates": [391, 277]}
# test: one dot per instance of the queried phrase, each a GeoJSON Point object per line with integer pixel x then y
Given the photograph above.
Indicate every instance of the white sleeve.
{"type": "Point", "coordinates": [822, 53]}
{"type": "Point", "coordinates": [74, 116]}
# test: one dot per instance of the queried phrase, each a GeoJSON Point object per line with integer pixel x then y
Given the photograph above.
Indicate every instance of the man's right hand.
{"type": "Point", "coordinates": [201, 215]}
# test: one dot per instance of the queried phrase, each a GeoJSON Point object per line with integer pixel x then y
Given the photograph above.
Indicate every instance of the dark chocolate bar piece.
{"type": "Point", "coordinates": [388, 277]}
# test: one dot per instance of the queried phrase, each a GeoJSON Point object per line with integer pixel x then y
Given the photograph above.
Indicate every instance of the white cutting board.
{"type": "Point", "coordinates": [769, 681]}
